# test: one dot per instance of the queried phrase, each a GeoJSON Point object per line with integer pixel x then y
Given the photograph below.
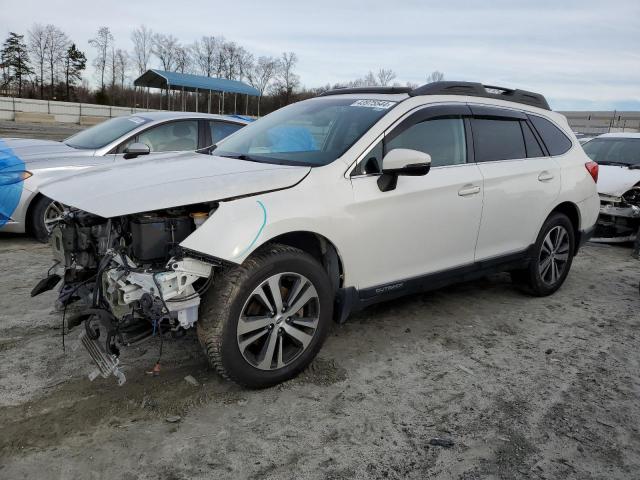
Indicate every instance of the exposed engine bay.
{"type": "Point", "coordinates": [130, 277]}
{"type": "Point", "coordinates": [619, 218]}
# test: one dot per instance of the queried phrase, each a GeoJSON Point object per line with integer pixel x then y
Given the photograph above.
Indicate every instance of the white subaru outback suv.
{"type": "Point", "coordinates": [318, 210]}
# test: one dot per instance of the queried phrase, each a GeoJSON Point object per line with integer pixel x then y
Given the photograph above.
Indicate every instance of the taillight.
{"type": "Point", "coordinates": [592, 168]}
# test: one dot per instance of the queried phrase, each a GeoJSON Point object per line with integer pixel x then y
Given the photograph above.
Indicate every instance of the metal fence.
{"type": "Point", "coordinates": [65, 112]}
{"type": "Point", "coordinates": [596, 123]}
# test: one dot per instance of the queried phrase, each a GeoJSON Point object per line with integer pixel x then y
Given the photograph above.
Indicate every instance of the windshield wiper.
{"type": "Point", "coordinates": [242, 156]}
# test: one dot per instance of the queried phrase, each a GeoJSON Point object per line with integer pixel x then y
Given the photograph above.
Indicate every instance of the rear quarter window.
{"type": "Point", "coordinates": [556, 141]}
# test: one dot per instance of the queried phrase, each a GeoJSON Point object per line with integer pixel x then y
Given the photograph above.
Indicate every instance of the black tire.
{"type": "Point", "coordinates": [37, 227]}
{"type": "Point", "coordinates": [531, 278]}
{"type": "Point", "coordinates": [223, 305]}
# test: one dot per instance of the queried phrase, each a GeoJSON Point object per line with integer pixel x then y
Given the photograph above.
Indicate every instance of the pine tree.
{"type": "Point", "coordinates": [74, 63]}
{"type": "Point", "coordinates": [15, 60]}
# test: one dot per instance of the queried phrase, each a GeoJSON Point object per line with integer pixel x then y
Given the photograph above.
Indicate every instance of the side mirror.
{"type": "Point", "coordinates": [402, 161]}
{"type": "Point", "coordinates": [136, 149]}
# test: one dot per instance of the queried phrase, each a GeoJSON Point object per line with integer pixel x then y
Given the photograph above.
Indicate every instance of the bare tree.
{"type": "Point", "coordinates": [122, 62]}
{"type": "Point", "coordinates": [435, 76]}
{"type": "Point", "coordinates": [142, 38]}
{"type": "Point", "coordinates": [164, 47]}
{"type": "Point", "coordinates": [261, 74]}
{"type": "Point", "coordinates": [184, 59]}
{"type": "Point", "coordinates": [385, 76]}
{"type": "Point", "coordinates": [205, 53]}
{"type": "Point", "coordinates": [286, 80]}
{"type": "Point", "coordinates": [37, 49]}
{"type": "Point", "coordinates": [56, 48]}
{"type": "Point", "coordinates": [102, 43]}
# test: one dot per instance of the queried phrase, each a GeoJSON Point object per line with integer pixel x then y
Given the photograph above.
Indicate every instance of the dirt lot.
{"type": "Point", "coordinates": [524, 387]}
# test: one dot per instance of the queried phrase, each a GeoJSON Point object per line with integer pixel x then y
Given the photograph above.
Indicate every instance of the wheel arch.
{"type": "Point", "coordinates": [319, 247]}
{"type": "Point", "coordinates": [572, 211]}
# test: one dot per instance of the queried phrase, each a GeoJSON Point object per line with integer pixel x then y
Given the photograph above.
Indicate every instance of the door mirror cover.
{"type": "Point", "coordinates": [136, 149]}
{"type": "Point", "coordinates": [402, 161]}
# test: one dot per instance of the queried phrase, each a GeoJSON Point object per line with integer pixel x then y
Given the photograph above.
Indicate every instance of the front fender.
{"type": "Point", "coordinates": [238, 227]}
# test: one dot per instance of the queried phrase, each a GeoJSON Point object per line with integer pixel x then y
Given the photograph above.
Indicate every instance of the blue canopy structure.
{"type": "Point", "coordinates": [186, 82]}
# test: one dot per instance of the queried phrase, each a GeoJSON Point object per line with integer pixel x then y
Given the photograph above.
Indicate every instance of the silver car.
{"type": "Point", "coordinates": [25, 164]}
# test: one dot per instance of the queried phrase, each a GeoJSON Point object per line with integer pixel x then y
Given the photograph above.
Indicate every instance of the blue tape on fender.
{"type": "Point", "coordinates": [9, 194]}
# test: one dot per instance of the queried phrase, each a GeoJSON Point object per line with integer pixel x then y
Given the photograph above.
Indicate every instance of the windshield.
{"type": "Point", "coordinates": [614, 151]}
{"type": "Point", "coordinates": [104, 133]}
{"type": "Point", "coordinates": [313, 132]}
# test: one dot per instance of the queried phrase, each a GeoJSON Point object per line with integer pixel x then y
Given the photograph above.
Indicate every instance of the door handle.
{"type": "Point", "coordinates": [545, 176]}
{"type": "Point", "coordinates": [469, 190]}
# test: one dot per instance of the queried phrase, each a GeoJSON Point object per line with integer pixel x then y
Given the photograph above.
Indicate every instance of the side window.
{"type": "Point", "coordinates": [533, 147]}
{"type": "Point", "coordinates": [497, 139]}
{"type": "Point", "coordinates": [442, 138]}
{"type": "Point", "coordinates": [556, 141]}
{"type": "Point", "coordinates": [171, 136]}
{"type": "Point", "coordinates": [220, 130]}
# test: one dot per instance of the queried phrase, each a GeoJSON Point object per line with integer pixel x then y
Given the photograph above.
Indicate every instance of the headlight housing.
{"type": "Point", "coordinates": [9, 178]}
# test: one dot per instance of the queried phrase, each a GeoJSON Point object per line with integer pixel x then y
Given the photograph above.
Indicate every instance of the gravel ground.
{"type": "Point", "coordinates": [513, 386]}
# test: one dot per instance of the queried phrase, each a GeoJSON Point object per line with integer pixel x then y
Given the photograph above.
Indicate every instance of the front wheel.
{"type": "Point", "coordinates": [265, 320]}
{"type": "Point", "coordinates": [552, 257]}
{"type": "Point", "coordinates": [45, 214]}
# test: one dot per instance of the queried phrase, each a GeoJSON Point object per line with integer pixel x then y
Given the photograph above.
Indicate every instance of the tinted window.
{"type": "Point", "coordinates": [497, 139]}
{"type": "Point", "coordinates": [614, 150]}
{"type": "Point", "coordinates": [530, 141]}
{"type": "Point", "coordinates": [106, 132]}
{"type": "Point", "coordinates": [557, 142]}
{"type": "Point", "coordinates": [172, 136]}
{"type": "Point", "coordinates": [220, 130]}
{"type": "Point", "coordinates": [442, 138]}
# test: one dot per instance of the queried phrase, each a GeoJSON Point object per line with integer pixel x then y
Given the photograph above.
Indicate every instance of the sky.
{"type": "Point", "coordinates": [582, 55]}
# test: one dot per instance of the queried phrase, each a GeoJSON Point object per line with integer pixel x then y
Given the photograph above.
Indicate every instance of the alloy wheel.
{"type": "Point", "coordinates": [53, 215]}
{"type": "Point", "coordinates": [278, 321]}
{"type": "Point", "coordinates": [554, 255]}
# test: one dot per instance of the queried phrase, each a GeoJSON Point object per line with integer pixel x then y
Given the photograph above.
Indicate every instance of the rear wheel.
{"type": "Point", "coordinates": [264, 321]}
{"type": "Point", "coordinates": [45, 213]}
{"type": "Point", "coordinates": [552, 258]}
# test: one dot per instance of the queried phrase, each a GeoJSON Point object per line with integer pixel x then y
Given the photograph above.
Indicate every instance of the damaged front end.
{"type": "Point", "coordinates": [130, 278]}
{"type": "Point", "coordinates": [619, 218]}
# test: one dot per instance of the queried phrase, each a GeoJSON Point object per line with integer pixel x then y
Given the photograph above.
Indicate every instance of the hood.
{"type": "Point", "coordinates": [615, 180]}
{"type": "Point", "coordinates": [33, 152]}
{"type": "Point", "coordinates": [144, 185]}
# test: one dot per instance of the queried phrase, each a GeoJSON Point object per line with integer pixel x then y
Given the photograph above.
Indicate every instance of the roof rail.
{"type": "Point", "coordinates": [474, 89]}
{"type": "Point", "coordinates": [383, 90]}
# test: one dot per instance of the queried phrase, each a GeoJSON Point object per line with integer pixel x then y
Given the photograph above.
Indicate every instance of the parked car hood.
{"type": "Point", "coordinates": [145, 185]}
{"type": "Point", "coordinates": [34, 153]}
{"type": "Point", "coordinates": [615, 180]}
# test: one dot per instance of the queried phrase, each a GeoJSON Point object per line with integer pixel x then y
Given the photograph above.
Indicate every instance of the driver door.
{"type": "Point", "coordinates": [428, 223]}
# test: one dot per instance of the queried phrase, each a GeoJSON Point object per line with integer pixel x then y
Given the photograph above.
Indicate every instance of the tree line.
{"type": "Point", "coordinates": [47, 64]}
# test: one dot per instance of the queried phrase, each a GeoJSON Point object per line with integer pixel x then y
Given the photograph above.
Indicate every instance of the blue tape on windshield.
{"type": "Point", "coordinates": [264, 222]}
{"type": "Point", "coordinates": [288, 138]}
{"type": "Point", "coordinates": [9, 194]}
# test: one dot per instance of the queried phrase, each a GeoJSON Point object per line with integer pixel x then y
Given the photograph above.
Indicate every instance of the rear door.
{"type": "Point", "coordinates": [521, 182]}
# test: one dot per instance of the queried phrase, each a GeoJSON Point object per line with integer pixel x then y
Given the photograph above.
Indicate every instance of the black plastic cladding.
{"type": "Point", "coordinates": [471, 89]}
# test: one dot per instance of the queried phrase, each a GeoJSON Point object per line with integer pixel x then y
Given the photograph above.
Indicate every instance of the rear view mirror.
{"type": "Point", "coordinates": [402, 161]}
{"type": "Point", "coordinates": [136, 149]}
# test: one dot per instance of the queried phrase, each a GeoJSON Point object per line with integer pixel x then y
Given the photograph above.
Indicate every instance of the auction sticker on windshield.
{"type": "Point", "coordinates": [137, 120]}
{"type": "Point", "coordinates": [382, 104]}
